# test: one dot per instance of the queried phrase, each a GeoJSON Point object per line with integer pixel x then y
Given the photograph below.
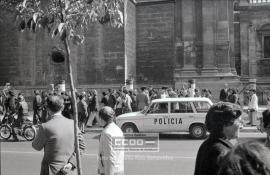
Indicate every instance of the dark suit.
{"type": "Point", "coordinates": [209, 155]}
{"type": "Point", "coordinates": [142, 101]}
{"type": "Point", "coordinates": [223, 96]}
{"type": "Point", "coordinates": [57, 138]}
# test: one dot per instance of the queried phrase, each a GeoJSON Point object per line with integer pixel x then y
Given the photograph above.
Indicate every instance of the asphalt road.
{"type": "Point", "coordinates": [176, 156]}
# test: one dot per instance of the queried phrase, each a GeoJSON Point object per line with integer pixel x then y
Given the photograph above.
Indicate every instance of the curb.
{"type": "Point", "coordinates": [249, 129]}
{"type": "Point", "coordinates": [243, 130]}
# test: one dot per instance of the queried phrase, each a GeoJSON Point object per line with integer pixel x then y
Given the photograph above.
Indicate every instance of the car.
{"type": "Point", "coordinates": [185, 114]}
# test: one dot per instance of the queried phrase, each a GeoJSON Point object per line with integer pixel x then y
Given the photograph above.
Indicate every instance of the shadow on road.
{"type": "Point", "coordinates": [175, 136]}
{"type": "Point", "coordinates": [12, 140]}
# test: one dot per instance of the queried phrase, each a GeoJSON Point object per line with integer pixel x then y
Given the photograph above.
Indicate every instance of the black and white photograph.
{"type": "Point", "coordinates": [135, 87]}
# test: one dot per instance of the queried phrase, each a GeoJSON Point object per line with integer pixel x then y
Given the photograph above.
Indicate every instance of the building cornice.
{"type": "Point", "coordinates": [154, 2]}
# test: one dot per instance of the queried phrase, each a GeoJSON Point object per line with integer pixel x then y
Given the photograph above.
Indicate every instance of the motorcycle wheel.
{"type": "Point", "coordinates": [5, 132]}
{"type": "Point", "coordinates": [29, 133]}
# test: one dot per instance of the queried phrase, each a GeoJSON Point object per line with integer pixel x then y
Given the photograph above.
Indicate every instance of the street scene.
{"type": "Point", "coordinates": [127, 87]}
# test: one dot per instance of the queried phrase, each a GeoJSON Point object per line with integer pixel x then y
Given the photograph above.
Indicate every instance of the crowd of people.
{"type": "Point", "coordinates": [121, 100]}
{"type": "Point", "coordinates": [217, 155]}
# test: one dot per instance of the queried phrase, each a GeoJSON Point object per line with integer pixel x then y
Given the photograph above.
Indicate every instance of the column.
{"type": "Point", "coordinates": [252, 50]}
{"type": "Point", "coordinates": [178, 34]}
{"type": "Point", "coordinates": [236, 25]}
{"type": "Point", "coordinates": [208, 12]}
{"type": "Point", "coordinates": [188, 34]}
{"type": "Point", "coordinates": [223, 36]}
{"type": "Point", "coordinates": [244, 49]}
{"type": "Point", "coordinates": [232, 32]}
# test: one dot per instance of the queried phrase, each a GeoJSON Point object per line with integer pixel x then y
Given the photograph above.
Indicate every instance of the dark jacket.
{"type": "Point", "coordinates": [223, 96]}
{"type": "Point", "coordinates": [112, 101]}
{"type": "Point", "coordinates": [82, 109]}
{"type": "Point", "coordinates": [11, 104]}
{"type": "Point", "coordinates": [209, 155]}
{"type": "Point", "coordinates": [93, 105]}
{"type": "Point", "coordinates": [37, 103]}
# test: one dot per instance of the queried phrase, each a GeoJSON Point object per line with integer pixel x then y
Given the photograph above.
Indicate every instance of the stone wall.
{"type": "Point", "coordinates": [252, 21]}
{"type": "Point", "coordinates": [155, 42]}
{"type": "Point", "coordinates": [8, 50]}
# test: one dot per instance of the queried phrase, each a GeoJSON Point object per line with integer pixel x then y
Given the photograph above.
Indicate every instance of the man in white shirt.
{"type": "Point", "coordinates": [252, 107]}
{"type": "Point", "coordinates": [111, 160]}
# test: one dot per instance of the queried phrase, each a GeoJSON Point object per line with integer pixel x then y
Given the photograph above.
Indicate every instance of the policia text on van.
{"type": "Point", "coordinates": [165, 121]}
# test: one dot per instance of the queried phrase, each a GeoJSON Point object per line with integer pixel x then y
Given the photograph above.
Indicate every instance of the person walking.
{"type": "Point", "coordinates": [119, 104]}
{"type": "Point", "coordinates": [93, 107]}
{"type": "Point", "coordinates": [252, 107]}
{"type": "Point", "coordinates": [133, 100]}
{"type": "Point", "coordinates": [22, 108]}
{"type": "Point", "coordinates": [223, 122]}
{"type": "Point", "coordinates": [82, 112]}
{"type": "Point", "coordinates": [223, 96]}
{"type": "Point", "coordinates": [112, 98]}
{"type": "Point", "coordinates": [37, 107]}
{"type": "Point", "coordinates": [56, 137]}
{"type": "Point", "coordinates": [10, 105]}
{"type": "Point", "coordinates": [111, 160]}
{"type": "Point", "coordinates": [142, 99]}
{"type": "Point", "coordinates": [126, 102]}
{"type": "Point", "coordinates": [105, 99]}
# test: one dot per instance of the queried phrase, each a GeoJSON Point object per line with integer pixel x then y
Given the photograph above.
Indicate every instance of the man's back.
{"type": "Point", "coordinates": [57, 138]}
{"type": "Point", "coordinates": [142, 101]}
{"type": "Point", "coordinates": [112, 101]}
{"type": "Point", "coordinates": [111, 157]}
{"type": "Point", "coordinates": [82, 106]}
{"type": "Point", "coordinates": [37, 102]}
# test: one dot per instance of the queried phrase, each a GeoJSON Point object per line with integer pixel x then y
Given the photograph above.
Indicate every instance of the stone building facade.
{"type": "Point", "coordinates": [163, 42]}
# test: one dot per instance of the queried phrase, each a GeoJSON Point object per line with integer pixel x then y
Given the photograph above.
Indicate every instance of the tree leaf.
{"type": "Point", "coordinates": [35, 17]}
{"type": "Point", "coordinates": [67, 4]}
{"type": "Point", "coordinates": [25, 3]}
{"type": "Point", "coordinates": [55, 32]}
{"type": "Point", "coordinates": [61, 27]}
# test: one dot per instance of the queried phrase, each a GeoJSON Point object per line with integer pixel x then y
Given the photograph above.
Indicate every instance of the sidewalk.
{"type": "Point", "coordinates": [246, 129]}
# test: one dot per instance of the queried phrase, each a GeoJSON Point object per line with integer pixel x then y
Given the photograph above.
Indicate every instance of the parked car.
{"type": "Point", "coordinates": [169, 115]}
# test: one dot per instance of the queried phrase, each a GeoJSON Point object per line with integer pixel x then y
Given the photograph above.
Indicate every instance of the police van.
{"type": "Point", "coordinates": [169, 115]}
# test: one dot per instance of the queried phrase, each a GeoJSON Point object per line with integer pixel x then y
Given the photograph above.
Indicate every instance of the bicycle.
{"type": "Point", "coordinates": [27, 130]}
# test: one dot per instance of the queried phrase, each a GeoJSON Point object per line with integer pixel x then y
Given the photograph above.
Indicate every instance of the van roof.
{"type": "Point", "coordinates": [182, 99]}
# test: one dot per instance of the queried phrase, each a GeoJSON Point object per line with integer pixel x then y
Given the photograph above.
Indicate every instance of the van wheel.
{"type": "Point", "coordinates": [129, 128]}
{"type": "Point", "coordinates": [197, 131]}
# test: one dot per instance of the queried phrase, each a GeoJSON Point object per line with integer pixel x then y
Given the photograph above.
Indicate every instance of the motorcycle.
{"type": "Point", "coordinates": [27, 130]}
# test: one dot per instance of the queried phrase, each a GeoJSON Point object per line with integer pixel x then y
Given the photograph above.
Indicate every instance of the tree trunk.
{"type": "Point", "coordinates": [74, 106]}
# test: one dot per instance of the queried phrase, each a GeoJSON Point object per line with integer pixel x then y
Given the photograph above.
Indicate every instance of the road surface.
{"type": "Point", "coordinates": [176, 156]}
